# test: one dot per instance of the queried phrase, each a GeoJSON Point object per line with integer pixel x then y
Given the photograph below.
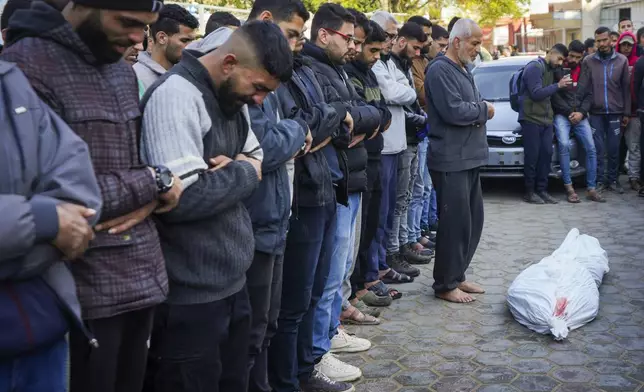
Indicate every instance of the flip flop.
{"type": "Point", "coordinates": [393, 277]}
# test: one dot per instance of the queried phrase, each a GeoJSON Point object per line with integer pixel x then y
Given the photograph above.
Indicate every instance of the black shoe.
{"type": "Point", "coordinates": [532, 198]}
{"type": "Point", "coordinates": [402, 266]}
{"type": "Point", "coordinates": [431, 237]}
{"type": "Point", "coordinates": [600, 187]}
{"type": "Point", "coordinates": [414, 256]}
{"type": "Point", "coordinates": [321, 383]}
{"type": "Point", "coordinates": [543, 195]}
{"type": "Point", "coordinates": [615, 187]}
{"type": "Point", "coordinates": [427, 243]}
{"type": "Point", "coordinates": [433, 227]}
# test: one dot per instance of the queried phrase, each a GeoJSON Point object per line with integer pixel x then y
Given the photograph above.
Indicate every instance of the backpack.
{"type": "Point", "coordinates": [516, 87]}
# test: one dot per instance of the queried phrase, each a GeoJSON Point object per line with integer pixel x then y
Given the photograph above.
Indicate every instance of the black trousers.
{"type": "Point", "coordinates": [200, 347]}
{"type": "Point", "coordinates": [264, 281]}
{"type": "Point", "coordinates": [537, 153]}
{"type": "Point", "coordinates": [460, 203]}
{"type": "Point", "coordinates": [118, 364]}
{"type": "Point", "coordinates": [363, 270]}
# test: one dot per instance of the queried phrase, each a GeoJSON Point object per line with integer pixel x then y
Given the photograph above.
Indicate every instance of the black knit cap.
{"type": "Point", "coordinates": [123, 5]}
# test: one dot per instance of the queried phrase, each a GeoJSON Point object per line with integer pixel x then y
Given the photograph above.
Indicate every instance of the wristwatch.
{"type": "Point", "coordinates": [164, 178]}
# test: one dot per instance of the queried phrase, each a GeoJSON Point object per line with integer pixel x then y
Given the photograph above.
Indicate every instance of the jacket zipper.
{"type": "Point", "coordinates": [605, 87]}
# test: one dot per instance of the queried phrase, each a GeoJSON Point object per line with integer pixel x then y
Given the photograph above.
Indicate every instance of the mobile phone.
{"type": "Point", "coordinates": [566, 71]}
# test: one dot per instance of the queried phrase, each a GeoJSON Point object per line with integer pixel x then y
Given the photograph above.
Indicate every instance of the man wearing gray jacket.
{"type": "Point", "coordinates": [457, 149]}
{"type": "Point", "coordinates": [48, 201]}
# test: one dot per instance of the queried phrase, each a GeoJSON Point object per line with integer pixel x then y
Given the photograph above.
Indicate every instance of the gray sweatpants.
{"type": "Point", "coordinates": [632, 137]}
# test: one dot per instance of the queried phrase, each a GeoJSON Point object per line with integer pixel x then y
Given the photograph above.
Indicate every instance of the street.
{"type": "Point", "coordinates": [425, 344]}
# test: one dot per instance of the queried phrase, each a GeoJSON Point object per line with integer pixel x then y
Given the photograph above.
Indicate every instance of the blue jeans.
{"type": "Point", "coordinates": [584, 135]}
{"type": "Point", "coordinates": [43, 370]}
{"type": "Point", "coordinates": [607, 134]}
{"type": "Point", "coordinates": [415, 211]}
{"type": "Point", "coordinates": [328, 309]}
{"type": "Point", "coordinates": [397, 231]}
{"type": "Point", "coordinates": [389, 186]}
{"type": "Point", "coordinates": [429, 215]}
{"type": "Point", "coordinates": [307, 260]}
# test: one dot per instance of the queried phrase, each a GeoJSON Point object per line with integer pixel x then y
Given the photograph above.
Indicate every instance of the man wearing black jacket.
{"type": "Point", "coordinates": [364, 279]}
{"type": "Point", "coordinates": [311, 234]}
{"type": "Point", "coordinates": [571, 106]}
{"type": "Point", "coordinates": [408, 45]}
{"type": "Point", "coordinates": [332, 37]}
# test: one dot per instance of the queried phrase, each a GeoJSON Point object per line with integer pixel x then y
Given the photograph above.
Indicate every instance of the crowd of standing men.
{"type": "Point", "coordinates": [204, 215]}
{"type": "Point", "coordinates": [595, 90]}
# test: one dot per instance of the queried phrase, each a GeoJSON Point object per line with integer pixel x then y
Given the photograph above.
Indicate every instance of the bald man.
{"type": "Point", "coordinates": [457, 149]}
{"type": "Point", "coordinates": [196, 123]}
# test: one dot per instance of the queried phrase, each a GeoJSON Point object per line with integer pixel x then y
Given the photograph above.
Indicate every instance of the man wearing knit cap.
{"type": "Point", "coordinates": [74, 60]}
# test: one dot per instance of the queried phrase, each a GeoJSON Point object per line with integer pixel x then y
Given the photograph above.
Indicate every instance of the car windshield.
{"type": "Point", "coordinates": [494, 82]}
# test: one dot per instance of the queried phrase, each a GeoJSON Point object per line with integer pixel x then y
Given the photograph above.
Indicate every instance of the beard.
{"type": "Point", "coordinates": [230, 102]}
{"type": "Point", "coordinates": [464, 57]}
{"type": "Point", "coordinates": [91, 33]}
{"type": "Point", "coordinates": [170, 53]}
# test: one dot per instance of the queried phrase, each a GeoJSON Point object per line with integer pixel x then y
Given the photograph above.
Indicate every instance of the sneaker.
{"type": "Point", "coordinates": [427, 243]}
{"type": "Point", "coordinates": [345, 343]}
{"type": "Point", "coordinates": [321, 383]}
{"type": "Point", "coordinates": [615, 187]}
{"type": "Point", "coordinates": [532, 198]}
{"type": "Point", "coordinates": [337, 370]}
{"type": "Point", "coordinates": [433, 227]}
{"type": "Point", "coordinates": [400, 265]}
{"type": "Point", "coordinates": [635, 184]}
{"type": "Point", "coordinates": [547, 198]}
{"type": "Point", "coordinates": [414, 255]}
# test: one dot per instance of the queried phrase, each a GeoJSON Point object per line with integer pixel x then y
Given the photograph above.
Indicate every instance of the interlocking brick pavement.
{"type": "Point", "coordinates": [424, 344]}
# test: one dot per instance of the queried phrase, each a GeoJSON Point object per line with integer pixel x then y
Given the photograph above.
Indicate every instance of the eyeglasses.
{"type": "Point", "coordinates": [347, 38]}
{"type": "Point", "coordinates": [391, 36]}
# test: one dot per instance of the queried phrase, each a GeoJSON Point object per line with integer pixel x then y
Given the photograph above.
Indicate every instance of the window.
{"type": "Point", "coordinates": [624, 13]}
{"type": "Point", "coordinates": [493, 82]}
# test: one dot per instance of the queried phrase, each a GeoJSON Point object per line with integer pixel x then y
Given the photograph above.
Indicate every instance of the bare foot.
{"type": "Point", "coordinates": [457, 295]}
{"type": "Point", "coordinates": [472, 288]}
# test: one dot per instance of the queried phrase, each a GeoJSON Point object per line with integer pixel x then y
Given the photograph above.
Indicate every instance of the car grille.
{"type": "Point", "coordinates": [497, 141]}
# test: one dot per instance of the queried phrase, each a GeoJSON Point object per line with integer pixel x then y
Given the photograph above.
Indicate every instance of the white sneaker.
{"type": "Point", "coordinates": [345, 343]}
{"type": "Point", "coordinates": [337, 370]}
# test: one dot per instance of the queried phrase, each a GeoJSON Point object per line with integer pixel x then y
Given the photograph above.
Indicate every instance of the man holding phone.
{"type": "Point", "coordinates": [571, 106]}
{"type": "Point", "coordinates": [536, 117]}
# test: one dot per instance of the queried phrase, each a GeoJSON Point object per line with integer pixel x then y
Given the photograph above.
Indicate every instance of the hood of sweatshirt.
{"type": "Point", "coordinates": [632, 57]}
{"type": "Point", "coordinates": [44, 21]}
{"type": "Point", "coordinates": [212, 41]}
{"type": "Point", "coordinates": [145, 59]}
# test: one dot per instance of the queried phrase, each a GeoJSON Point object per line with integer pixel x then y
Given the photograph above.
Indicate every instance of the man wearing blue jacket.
{"type": "Point", "coordinates": [536, 117]}
{"type": "Point", "coordinates": [48, 201]}
{"type": "Point", "coordinates": [270, 205]}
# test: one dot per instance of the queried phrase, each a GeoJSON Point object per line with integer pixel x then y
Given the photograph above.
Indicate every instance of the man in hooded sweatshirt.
{"type": "Point", "coordinates": [171, 33]}
{"type": "Point", "coordinates": [628, 47]}
{"type": "Point", "coordinates": [607, 76]}
{"type": "Point", "coordinates": [74, 61]}
{"type": "Point", "coordinates": [457, 149]}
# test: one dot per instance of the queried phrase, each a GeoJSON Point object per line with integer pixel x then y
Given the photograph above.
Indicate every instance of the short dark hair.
{"type": "Point", "coordinates": [640, 33]}
{"type": "Point", "coordinates": [170, 18]}
{"type": "Point", "coordinates": [282, 10]}
{"type": "Point", "coordinates": [561, 48]}
{"type": "Point", "coordinates": [270, 46]}
{"type": "Point", "coordinates": [439, 32]}
{"type": "Point", "coordinates": [576, 46]}
{"type": "Point", "coordinates": [361, 20]}
{"type": "Point", "coordinates": [331, 16]}
{"type": "Point", "coordinates": [590, 43]}
{"type": "Point", "coordinates": [11, 7]}
{"type": "Point", "coordinates": [625, 18]}
{"type": "Point", "coordinates": [614, 33]}
{"type": "Point", "coordinates": [411, 30]}
{"type": "Point", "coordinates": [451, 24]}
{"type": "Point", "coordinates": [423, 22]}
{"type": "Point", "coordinates": [220, 19]}
{"type": "Point", "coordinates": [602, 30]}
{"type": "Point", "coordinates": [377, 33]}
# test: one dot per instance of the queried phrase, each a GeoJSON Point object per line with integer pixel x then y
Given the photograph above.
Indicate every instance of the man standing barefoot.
{"type": "Point", "coordinates": [458, 148]}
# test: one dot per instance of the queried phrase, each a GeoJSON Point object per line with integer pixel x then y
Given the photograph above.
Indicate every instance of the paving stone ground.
{"type": "Point", "coordinates": [425, 344]}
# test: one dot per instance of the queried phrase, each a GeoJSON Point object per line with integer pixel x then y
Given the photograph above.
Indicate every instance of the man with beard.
{"type": "Point", "coordinates": [611, 105]}
{"type": "Point", "coordinates": [398, 93]}
{"type": "Point", "coordinates": [411, 39]}
{"type": "Point", "coordinates": [332, 37]}
{"type": "Point", "coordinates": [458, 148]}
{"type": "Point", "coordinates": [196, 121]}
{"type": "Point", "coordinates": [536, 117]}
{"type": "Point", "coordinates": [171, 33]}
{"type": "Point", "coordinates": [310, 238]}
{"type": "Point", "coordinates": [365, 282]}
{"type": "Point", "coordinates": [571, 107]}
{"type": "Point", "coordinates": [74, 61]}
